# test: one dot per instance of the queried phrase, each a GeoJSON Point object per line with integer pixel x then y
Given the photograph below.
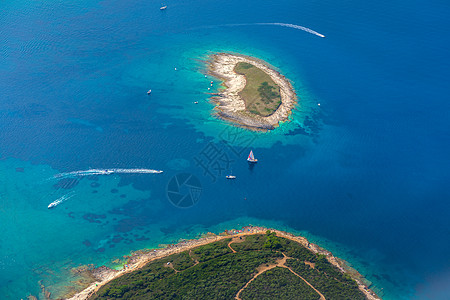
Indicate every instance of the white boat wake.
{"type": "Point", "coordinates": [306, 29]}
{"type": "Point", "coordinates": [136, 171]}
{"type": "Point", "coordinates": [295, 27]}
{"type": "Point", "coordinates": [106, 172]}
{"type": "Point", "coordinates": [61, 200]}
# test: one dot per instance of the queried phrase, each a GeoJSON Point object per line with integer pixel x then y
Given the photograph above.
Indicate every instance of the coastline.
{"type": "Point", "coordinates": [229, 104]}
{"type": "Point", "coordinates": [140, 258]}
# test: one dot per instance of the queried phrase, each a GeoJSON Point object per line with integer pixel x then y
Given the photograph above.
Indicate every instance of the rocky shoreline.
{"type": "Point", "coordinates": [230, 105]}
{"type": "Point", "coordinates": [139, 259]}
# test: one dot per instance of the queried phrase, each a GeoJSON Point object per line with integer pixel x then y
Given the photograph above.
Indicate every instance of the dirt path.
{"type": "Point", "coordinates": [280, 263]}
{"type": "Point", "coordinates": [193, 258]}
{"type": "Point", "coordinates": [170, 265]}
{"type": "Point", "coordinates": [229, 246]}
{"type": "Point", "coordinates": [322, 297]}
{"type": "Point", "coordinates": [261, 269]}
{"type": "Point", "coordinates": [239, 239]}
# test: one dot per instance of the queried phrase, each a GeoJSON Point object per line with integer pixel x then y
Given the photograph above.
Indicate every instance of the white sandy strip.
{"type": "Point", "coordinates": [224, 65]}
{"type": "Point", "coordinates": [230, 102]}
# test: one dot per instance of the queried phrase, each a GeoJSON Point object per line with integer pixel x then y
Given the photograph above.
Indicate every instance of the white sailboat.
{"type": "Point", "coordinates": [251, 158]}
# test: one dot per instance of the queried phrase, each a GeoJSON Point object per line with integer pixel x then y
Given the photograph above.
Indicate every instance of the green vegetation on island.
{"type": "Point", "coordinates": [260, 94]}
{"type": "Point", "coordinates": [279, 283]}
{"type": "Point", "coordinates": [259, 266]}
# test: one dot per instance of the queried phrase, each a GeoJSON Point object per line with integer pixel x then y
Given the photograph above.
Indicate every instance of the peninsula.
{"type": "Point", "coordinates": [251, 263]}
{"type": "Point", "coordinates": [256, 96]}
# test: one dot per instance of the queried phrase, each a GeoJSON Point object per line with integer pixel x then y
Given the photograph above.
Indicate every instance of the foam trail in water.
{"type": "Point", "coordinates": [136, 171]}
{"type": "Point", "coordinates": [306, 29]}
{"type": "Point", "coordinates": [106, 172]}
{"type": "Point", "coordinates": [294, 26]}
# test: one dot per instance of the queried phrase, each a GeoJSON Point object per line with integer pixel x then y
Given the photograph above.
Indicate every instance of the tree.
{"type": "Point", "coordinates": [272, 241]}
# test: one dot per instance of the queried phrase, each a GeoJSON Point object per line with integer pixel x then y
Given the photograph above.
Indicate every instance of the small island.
{"type": "Point", "coordinates": [251, 263]}
{"type": "Point", "coordinates": [256, 96]}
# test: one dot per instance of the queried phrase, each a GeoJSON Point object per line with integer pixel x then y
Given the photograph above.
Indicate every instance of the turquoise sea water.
{"type": "Point", "coordinates": [365, 174]}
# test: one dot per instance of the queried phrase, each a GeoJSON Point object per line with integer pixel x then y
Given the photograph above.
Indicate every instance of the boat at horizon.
{"type": "Point", "coordinates": [251, 158]}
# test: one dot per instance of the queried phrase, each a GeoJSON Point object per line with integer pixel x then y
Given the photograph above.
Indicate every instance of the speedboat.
{"type": "Point", "coordinates": [107, 172]}
{"type": "Point", "coordinates": [163, 7]}
{"type": "Point", "coordinates": [53, 204]}
{"type": "Point", "coordinates": [231, 176]}
{"type": "Point", "coordinates": [149, 92]}
{"type": "Point", "coordinates": [60, 200]}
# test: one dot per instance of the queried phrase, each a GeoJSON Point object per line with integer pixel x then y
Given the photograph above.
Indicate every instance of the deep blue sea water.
{"type": "Point", "coordinates": [365, 174]}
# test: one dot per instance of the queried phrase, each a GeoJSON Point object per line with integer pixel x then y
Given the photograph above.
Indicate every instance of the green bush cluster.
{"type": "Point", "coordinates": [278, 283]}
{"type": "Point", "coordinates": [268, 92]}
{"type": "Point", "coordinates": [210, 251]}
{"type": "Point", "coordinates": [260, 94]}
{"type": "Point", "coordinates": [272, 241]}
{"type": "Point", "coordinates": [327, 279]}
{"type": "Point", "coordinates": [245, 65]}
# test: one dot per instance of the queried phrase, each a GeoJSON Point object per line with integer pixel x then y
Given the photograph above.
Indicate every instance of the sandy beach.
{"type": "Point", "coordinates": [139, 259]}
{"type": "Point", "coordinates": [230, 105]}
